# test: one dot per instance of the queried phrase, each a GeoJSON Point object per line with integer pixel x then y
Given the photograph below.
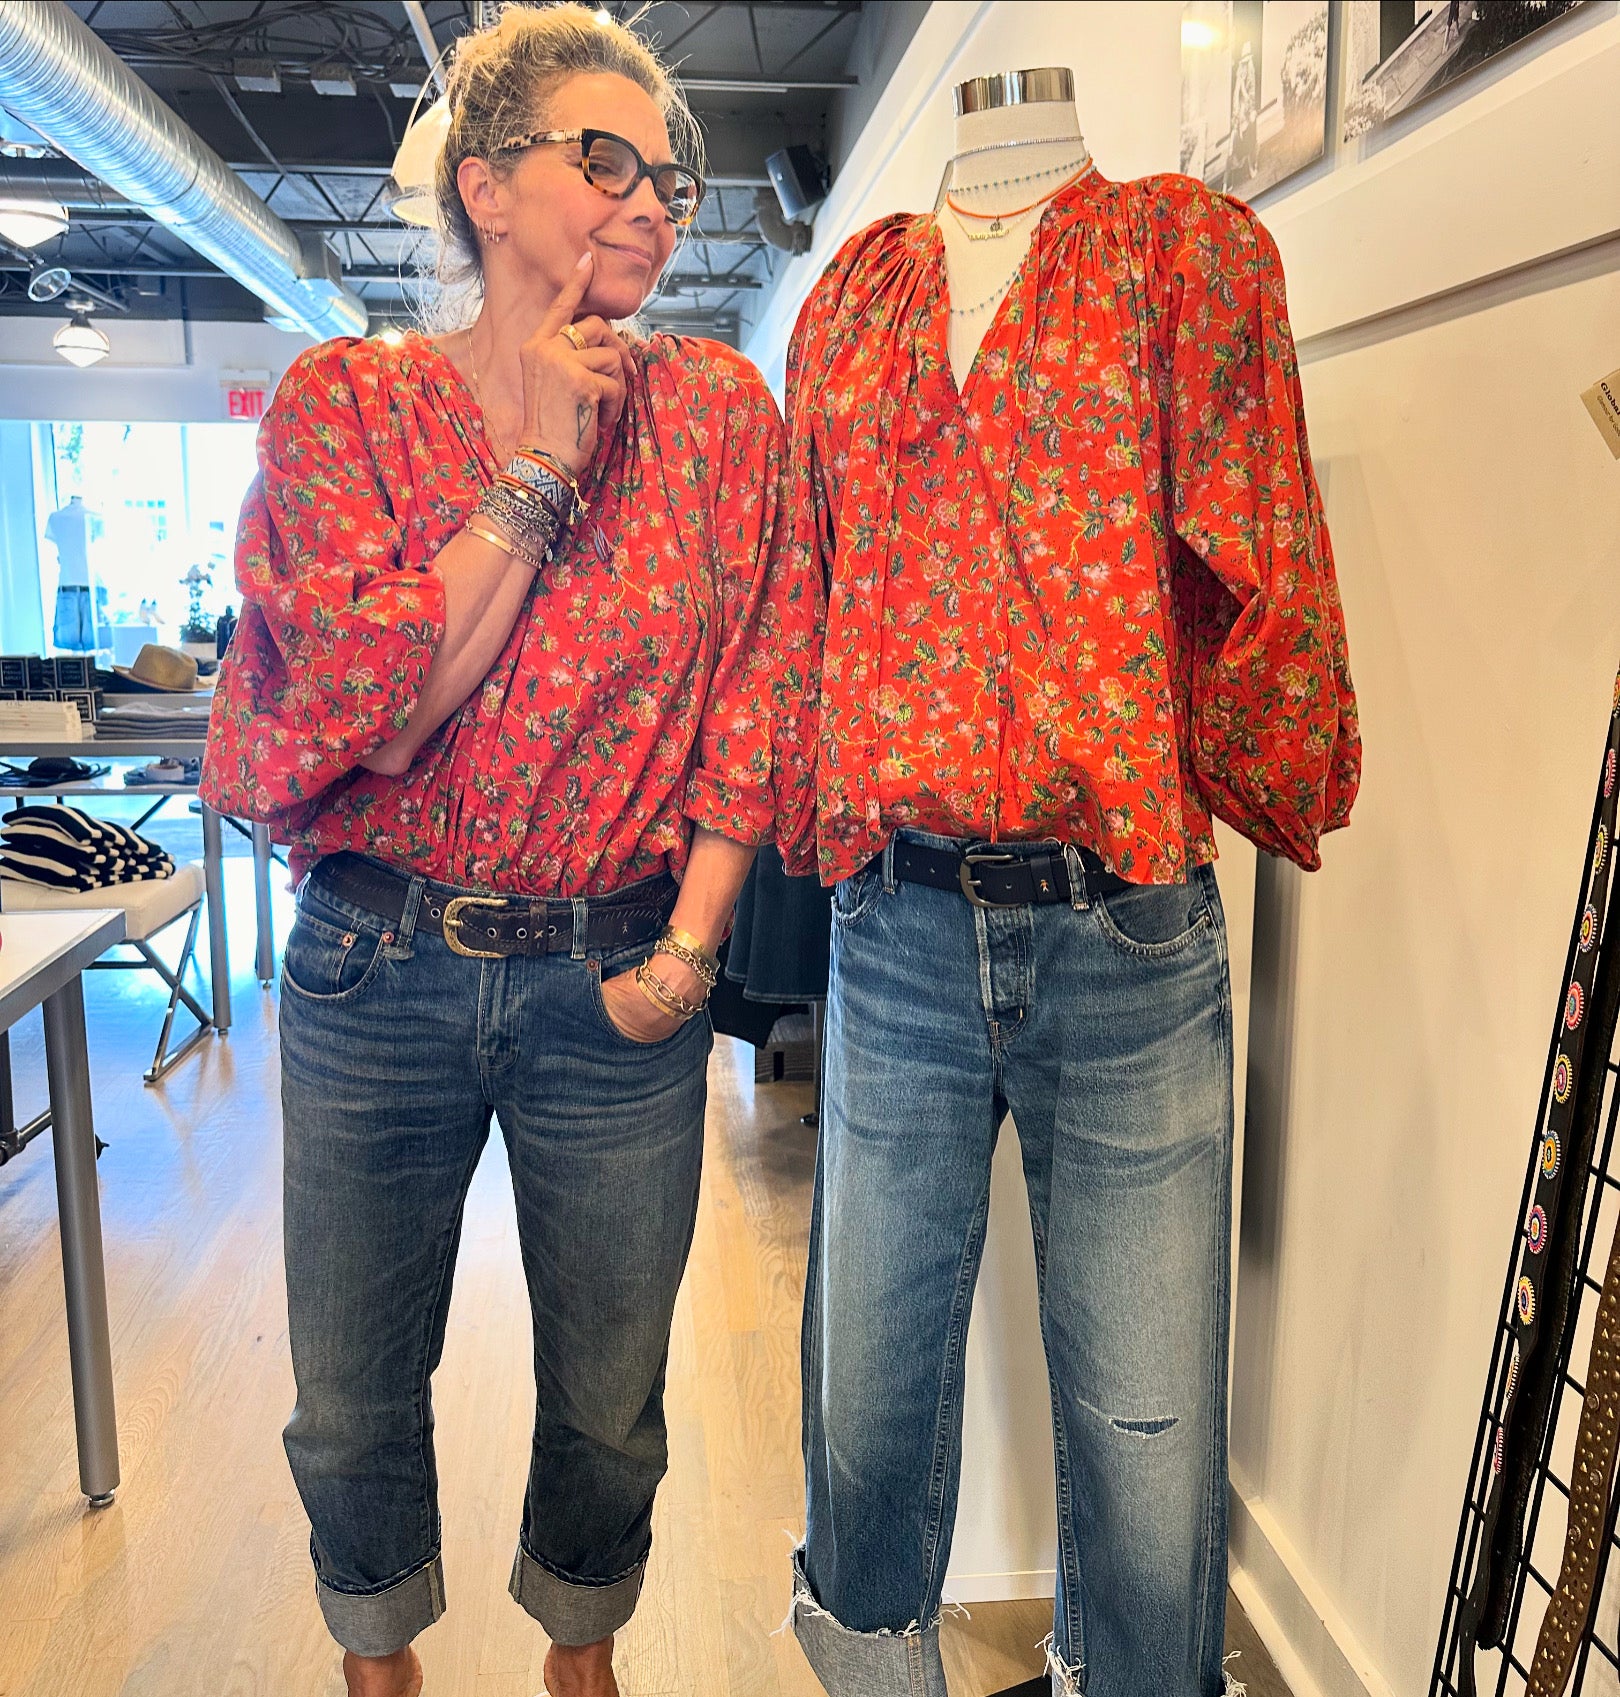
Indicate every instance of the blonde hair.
{"type": "Point", "coordinates": [499, 79]}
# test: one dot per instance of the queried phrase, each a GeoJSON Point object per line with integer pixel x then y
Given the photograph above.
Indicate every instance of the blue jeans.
{"type": "Point", "coordinates": [1104, 1025]}
{"type": "Point", "coordinates": [394, 1054]}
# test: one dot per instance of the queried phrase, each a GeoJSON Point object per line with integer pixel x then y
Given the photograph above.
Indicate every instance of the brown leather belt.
{"type": "Point", "coordinates": [1590, 1486]}
{"type": "Point", "coordinates": [493, 927]}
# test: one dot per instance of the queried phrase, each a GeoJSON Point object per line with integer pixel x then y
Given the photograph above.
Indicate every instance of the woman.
{"type": "Point", "coordinates": [518, 634]}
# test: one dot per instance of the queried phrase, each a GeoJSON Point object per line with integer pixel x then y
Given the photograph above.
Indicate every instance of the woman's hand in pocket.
{"type": "Point", "coordinates": [632, 1011]}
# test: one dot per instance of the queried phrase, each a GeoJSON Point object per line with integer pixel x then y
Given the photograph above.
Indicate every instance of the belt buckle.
{"type": "Point", "coordinates": [965, 877]}
{"type": "Point", "coordinates": [453, 910]}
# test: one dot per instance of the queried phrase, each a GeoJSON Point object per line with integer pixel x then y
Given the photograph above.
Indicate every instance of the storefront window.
{"type": "Point", "coordinates": [157, 506]}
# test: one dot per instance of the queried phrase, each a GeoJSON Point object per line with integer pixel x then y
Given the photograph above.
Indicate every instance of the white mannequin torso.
{"type": "Point", "coordinates": [1006, 157]}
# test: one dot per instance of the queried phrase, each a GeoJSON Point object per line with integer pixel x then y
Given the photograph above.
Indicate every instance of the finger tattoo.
{"type": "Point", "coordinates": [583, 414]}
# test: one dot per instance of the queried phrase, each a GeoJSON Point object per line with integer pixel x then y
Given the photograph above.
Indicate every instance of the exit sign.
{"type": "Point", "coordinates": [245, 394]}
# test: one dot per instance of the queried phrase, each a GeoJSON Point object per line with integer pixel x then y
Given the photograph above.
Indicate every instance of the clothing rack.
{"type": "Point", "coordinates": [1504, 1671]}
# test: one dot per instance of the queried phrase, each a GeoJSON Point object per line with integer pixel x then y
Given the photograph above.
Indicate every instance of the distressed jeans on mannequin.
{"type": "Point", "coordinates": [1104, 1025]}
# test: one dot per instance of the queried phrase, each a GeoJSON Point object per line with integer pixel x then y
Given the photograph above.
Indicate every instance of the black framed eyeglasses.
{"type": "Point", "coordinates": [613, 165]}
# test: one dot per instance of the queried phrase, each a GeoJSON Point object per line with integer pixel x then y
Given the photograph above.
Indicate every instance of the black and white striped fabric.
{"type": "Point", "coordinates": [63, 848]}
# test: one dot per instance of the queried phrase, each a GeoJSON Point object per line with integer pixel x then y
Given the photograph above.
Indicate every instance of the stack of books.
{"type": "Point", "coordinates": [42, 721]}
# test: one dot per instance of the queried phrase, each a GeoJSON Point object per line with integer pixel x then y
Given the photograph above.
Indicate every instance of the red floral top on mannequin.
{"type": "Point", "coordinates": [1090, 596]}
{"type": "Point", "coordinates": [643, 683]}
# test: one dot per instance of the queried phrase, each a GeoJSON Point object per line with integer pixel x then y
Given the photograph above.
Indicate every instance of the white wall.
{"type": "Point", "coordinates": [159, 370]}
{"type": "Point", "coordinates": [1453, 285]}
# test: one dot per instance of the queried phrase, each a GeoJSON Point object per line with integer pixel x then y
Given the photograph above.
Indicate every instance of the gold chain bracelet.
{"type": "Point", "coordinates": [657, 990]}
{"type": "Point", "coordinates": [687, 940]}
{"type": "Point", "coordinates": [706, 968]}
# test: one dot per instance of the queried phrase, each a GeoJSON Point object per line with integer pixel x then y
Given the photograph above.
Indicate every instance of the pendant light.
{"type": "Point", "coordinates": [28, 222]}
{"type": "Point", "coordinates": [410, 194]}
{"type": "Point", "coordinates": [79, 342]}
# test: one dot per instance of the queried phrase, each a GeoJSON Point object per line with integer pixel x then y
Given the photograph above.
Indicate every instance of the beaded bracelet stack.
{"type": "Point", "coordinates": [689, 950]}
{"type": "Point", "coordinates": [530, 504]}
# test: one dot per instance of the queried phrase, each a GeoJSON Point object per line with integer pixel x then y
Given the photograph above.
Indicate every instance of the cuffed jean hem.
{"type": "Point", "coordinates": [377, 1623]}
{"type": "Point", "coordinates": [900, 1663]}
{"type": "Point", "coordinates": [574, 1611]}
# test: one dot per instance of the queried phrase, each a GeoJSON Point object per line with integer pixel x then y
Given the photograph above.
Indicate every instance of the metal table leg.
{"type": "Point", "coordinates": [219, 955]}
{"type": "Point", "coordinates": [264, 956]}
{"type": "Point", "coordinates": [78, 1204]}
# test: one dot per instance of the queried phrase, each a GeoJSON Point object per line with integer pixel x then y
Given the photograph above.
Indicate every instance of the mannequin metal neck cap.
{"type": "Point", "coordinates": [1014, 88]}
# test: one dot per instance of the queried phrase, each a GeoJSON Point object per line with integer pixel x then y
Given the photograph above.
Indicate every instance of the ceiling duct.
{"type": "Point", "coordinates": [60, 180]}
{"type": "Point", "coordinates": [59, 78]}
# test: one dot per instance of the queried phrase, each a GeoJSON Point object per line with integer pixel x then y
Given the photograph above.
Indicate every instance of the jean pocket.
{"type": "Point", "coordinates": [855, 896]}
{"type": "Point", "coordinates": [1152, 920]}
{"type": "Point", "coordinates": [322, 962]}
{"type": "Point", "coordinates": [600, 1007]}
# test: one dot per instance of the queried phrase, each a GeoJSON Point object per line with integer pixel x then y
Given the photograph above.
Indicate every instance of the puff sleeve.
{"type": "Point", "coordinates": [337, 634]}
{"type": "Point", "coordinates": [1274, 739]}
{"type": "Point", "coordinates": [750, 770]}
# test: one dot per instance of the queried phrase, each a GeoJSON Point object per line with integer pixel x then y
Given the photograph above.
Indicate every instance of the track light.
{"type": "Point", "coordinates": [79, 342]}
{"type": "Point", "coordinates": [331, 79]}
{"type": "Point", "coordinates": [46, 282]}
{"type": "Point", "coordinates": [257, 76]}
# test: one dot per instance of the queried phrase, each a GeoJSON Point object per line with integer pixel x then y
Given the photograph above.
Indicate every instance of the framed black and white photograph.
{"type": "Point", "coordinates": [1253, 91]}
{"type": "Point", "coordinates": [1398, 51]}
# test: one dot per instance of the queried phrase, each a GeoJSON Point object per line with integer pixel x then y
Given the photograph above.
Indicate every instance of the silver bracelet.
{"type": "Point", "coordinates": [531, 524]}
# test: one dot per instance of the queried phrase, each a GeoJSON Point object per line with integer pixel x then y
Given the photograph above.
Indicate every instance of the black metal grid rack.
{"type": "Point", "coordinates": [1505, 1671]}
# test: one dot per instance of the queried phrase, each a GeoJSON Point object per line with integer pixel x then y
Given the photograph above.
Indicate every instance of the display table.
{"type": "Point", "coordinates": [42, 956]}
{"type": "Point", "coordinates": [176, 748]}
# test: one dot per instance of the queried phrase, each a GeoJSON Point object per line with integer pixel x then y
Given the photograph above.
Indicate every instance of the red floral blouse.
{"type": "Point", "coordinates": [644, 687]}
{"type": "Point", "coordinates": [1091, 595]}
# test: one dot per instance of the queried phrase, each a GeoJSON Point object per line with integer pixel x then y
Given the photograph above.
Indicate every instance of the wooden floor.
{"type": "Point", "coordinates": [196, 1582]}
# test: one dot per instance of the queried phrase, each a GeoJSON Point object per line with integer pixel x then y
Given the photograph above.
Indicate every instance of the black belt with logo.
{"type": "Point", "coordinates": [1014, 875]}
{"type": "Point", "coordinates": [1547, 1264]}
{"type": "Point", "coordinates": [492, 927]}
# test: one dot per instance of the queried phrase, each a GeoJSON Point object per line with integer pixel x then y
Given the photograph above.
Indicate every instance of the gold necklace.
{"type": "Point", "coordinates": [478, 395]}
{"type": "Point", "coordinates": [472, 360]}
{"type": "Point", "coordinates": [998, 225]}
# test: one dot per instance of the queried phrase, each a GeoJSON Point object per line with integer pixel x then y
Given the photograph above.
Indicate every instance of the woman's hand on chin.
{"type": "Point", "coordinates": [573, 384]}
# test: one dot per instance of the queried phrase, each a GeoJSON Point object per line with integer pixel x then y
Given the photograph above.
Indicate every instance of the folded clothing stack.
{"type": "Point", "coordinates": [64, 849]}
{"type": "Point", "coordinates": [160, 716]}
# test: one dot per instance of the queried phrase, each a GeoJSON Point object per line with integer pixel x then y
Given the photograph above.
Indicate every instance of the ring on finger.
{"type": "Point", "coordinates": [570, 334]}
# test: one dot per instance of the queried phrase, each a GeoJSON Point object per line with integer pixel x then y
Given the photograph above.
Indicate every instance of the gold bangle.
{"type": "Point", "coordinates": [652, 996]}
{"type": "Point", "coordinates": [681, 1004]}
{"type": "Point", "coordinates": [668, 1009]}
{"type": "Point", "coordinates": [496, 540]}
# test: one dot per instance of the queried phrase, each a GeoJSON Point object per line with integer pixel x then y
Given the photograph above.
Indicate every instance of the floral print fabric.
{"type": "Point", "coordinates": [645, 687]}
{"type": "Point", "coordinates": [1091, 595]}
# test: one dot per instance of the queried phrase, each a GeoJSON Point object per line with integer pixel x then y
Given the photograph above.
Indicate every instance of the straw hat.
{"type": "Point", "coordinates": [162, 668]}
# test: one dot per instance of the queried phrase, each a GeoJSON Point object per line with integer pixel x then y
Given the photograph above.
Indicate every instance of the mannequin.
{"type": "Point", "coordinates": [80, 601]}
{"type": "Point", "coordinates": [1018, 141]}
{"type": "Point", "coordinates": [1035, 566]}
